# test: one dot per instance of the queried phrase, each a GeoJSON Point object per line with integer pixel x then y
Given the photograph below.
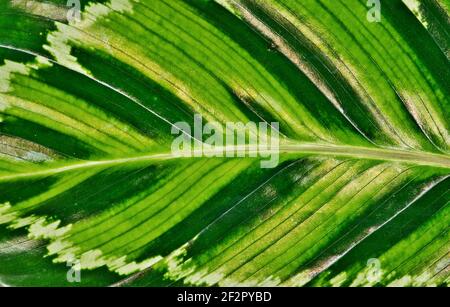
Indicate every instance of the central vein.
{"type": "Point", "coordinates": [300, 149]}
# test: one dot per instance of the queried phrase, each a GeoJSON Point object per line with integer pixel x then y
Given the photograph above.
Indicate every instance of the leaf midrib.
{"type": "Point", "coordinates": [380, 154]}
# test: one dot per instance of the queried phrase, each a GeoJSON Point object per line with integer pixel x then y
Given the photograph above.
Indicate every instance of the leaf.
{"type": "Point", "coordinates": [360, 196]}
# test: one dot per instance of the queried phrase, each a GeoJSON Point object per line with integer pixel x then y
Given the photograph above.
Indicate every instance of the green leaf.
{"type": "Point", "coordinates": [360, 196]}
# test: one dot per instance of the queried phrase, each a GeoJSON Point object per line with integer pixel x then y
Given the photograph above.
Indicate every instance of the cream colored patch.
{"type": "Point", "coordinates": [4, 208]}
{"type": "Point", "coordinates": [25, 149]}
{"type": "Point", "coordinates": [175, 260]}
{"type": "Point", "coordinates": [60, 49]}
{"type": "Point", "coordinates": [122, 268]}
{"type": "Point", "coordinates": [22, 222]}
{"type": "Point", "coordinates": [60, 245]}
{"type": "Point", "coordinates": [92, 260]}
{"type": "Point", "coordinates": [58, 41]}
{"type": "Point", "coordinates": [339, 279]}
{"type": "Point", "coordinates": [38, 227]}
{"type": "Point", "coordinates": [122, 6]}
{"type": "Point", "coordinates": [42, 229]}
{"type": "Point", "coordinates": [34, 156]}
{"type": "Point", "coordinates": [300, 279]}
{"type": "Point", "coordinates": [44, 9]}
{"type": "Point", "coordinates": [425, 279]}
{"type": "Point", "coordinates": [95, 258]}
{"type": "Point", "coordinates": [202, 278]}
{"type": "Point", "coordinates": [270, 281]}
{"type": "Point", "coordinates": [95, 11]}
{"type": "Point", "coordinates": [40, 62]}
{"type": "Point", "coordinates": [18, 245]}
{"type": "Point", "coordinates": [405, 281]}
{"type": "Point", "coordinates": [360, 280]}
{"type": "Point", "coordinates": [10, 68]}
{"type": "Point", "coordinates": [178, 268]}
{"type": "Point", "coordinates": [6, 72]}
{"type": "Point", "coordinates": [106, 40]}
{"type": "Point", "coordinates": [5, 215]}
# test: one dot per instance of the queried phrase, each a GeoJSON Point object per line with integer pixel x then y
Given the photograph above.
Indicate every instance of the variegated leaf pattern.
{"type": "Point", "coordinates": [86, 172]}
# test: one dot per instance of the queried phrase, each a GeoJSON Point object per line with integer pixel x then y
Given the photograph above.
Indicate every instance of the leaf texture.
{"type": "Point", "coordinates": [86, 171]}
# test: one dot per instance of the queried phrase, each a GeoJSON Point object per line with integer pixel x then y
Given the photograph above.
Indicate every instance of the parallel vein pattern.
{"type": "Point", "coordinates": [87, 176]}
